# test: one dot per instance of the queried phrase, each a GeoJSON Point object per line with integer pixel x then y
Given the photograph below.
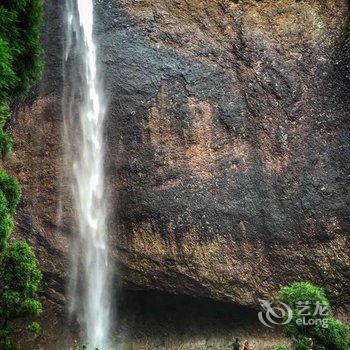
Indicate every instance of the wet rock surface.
{"type": "Point", "coordinates": [227, 148]}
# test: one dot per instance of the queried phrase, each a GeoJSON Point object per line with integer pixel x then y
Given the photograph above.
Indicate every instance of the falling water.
{"type": "Point", "coordinates": [84, 112]}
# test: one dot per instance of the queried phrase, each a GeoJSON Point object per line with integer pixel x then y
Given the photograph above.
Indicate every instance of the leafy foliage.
{"type": "Point", "coordinates": [6, 221]}
{"type": "Point", "coordinates": [9, 345]}
{"type": "Point", "coordinates": [8, 78]}
{"type": "Point", "coordinates": [280, 347]}
{"type": "Point", "coordinates": [4, 112]}
{"type": "Point", "coordinates": [20, 65]}
{"type": "Point", "coordinates": [20, 49]}
{"type": "Point", "coordinates": [303, 292]}
{"type": "Point", "coordinates": [20, 54]}
{"type": "Point", "coordinates": [302, 343]}
{"type": "Point", "coordinates": [5, 143]}
{"type": "Point", "coordinates": [335, 335]}
{"type": "Point", "coordinates": [9, 186]}
{"type": "Point", "coordinates": [10, 194]}
{"type": "Point", "coordinates": [34, 328]}
{"type": "Point", "coordinates": [20, 279]}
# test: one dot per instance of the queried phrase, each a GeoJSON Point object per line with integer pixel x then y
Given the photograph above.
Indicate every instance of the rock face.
{"type": "Point", "coordinates": [227, 147]}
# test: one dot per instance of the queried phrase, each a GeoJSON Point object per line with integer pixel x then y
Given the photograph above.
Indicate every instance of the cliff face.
{"type": "Point", "coordinates": [227, 147]}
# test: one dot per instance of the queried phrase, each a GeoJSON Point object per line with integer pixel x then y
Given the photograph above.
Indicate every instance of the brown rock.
{"type": "Point", "coordinates": [227, 148]}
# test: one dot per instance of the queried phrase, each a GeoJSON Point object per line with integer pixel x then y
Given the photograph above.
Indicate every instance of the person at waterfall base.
{"type": "Point", "coordinates": [236, 345]}
{"type": "Point", "coordinates": [246, 345]}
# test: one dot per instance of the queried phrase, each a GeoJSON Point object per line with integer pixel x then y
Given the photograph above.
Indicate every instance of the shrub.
{"type": "Point", "coordinates": [6, 227]}
{"type": "Point", "coordinates": [280, 347]}
{"type": "Point", "coordinates": [5, 143]}
{"type": "Point", "coordinates": [303, 292]}
{"type": "Point", "coordinates": [34, 328]}
{"type": "Point", "coordinates": [302, 343]}
{"type": "Point", "coordinates": [11, 189]}
{"type": "Point", "coordinates": [335, 337]}
{"type": "Point", "coordinates": [8, 78]}
{"type": "Point", "coordinates": [20, 65]}
{"type": "Point", "coordinates": [4, 112]}
{"type": "Point", "coordinates": [20, 23]}
{"type": "Point", "coordinates": [328, 334]}
{"type": "Point", "coordinates": [20, 278]}
{"type": "Point", "coordinates": [9, 345]}
{"type": "Point", "coordinates": [6, 222]}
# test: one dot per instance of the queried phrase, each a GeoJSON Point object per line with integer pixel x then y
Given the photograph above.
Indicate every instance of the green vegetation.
{"type": "Point", "coordinates": [20, 55]}
{"type": "Point", "coordinates": [304, 292]}
{"type": "Point", "coordinates": [34, 328]}
{"type": "Point", "coordinates": [319, 329]}
{"type": "Point", "coordinates": [21, 278]}
{"type": "Point", "coordinates": [20, 65]}
{"type": "Point", "coordinates": [20, 49]}
{"type": "Point", "coordinates": [280, 347]}
{"type": "Point", "coordinates": [9, 186]}
{"type": "Point", "coordinates": [5, 143]}
{"type": "Point", "coordinates": [302, 343]}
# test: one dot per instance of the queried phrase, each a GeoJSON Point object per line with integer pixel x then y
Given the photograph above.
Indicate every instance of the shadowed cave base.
{"type": "Point", "coordinates": [153, 320]}
{"type": "Point", "coordinates": [156, 320]}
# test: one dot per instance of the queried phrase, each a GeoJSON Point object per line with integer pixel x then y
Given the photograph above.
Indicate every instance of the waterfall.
{"type": "Point", "coordinates": [84, 112]}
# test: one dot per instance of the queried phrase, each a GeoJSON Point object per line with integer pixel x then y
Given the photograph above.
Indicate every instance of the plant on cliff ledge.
{"type": "Point", "coordinates": [20, 279]}
{"type": "Point", "coordinates": [9, 186]}
{"type": "Point", "coordinates": [5, 143]}
{"type": "Point", "coordinates": [319, 328]}
{"type": "Point", "coordinates": [10, 194]}
{"type": "Point", "coordinates": [20, 49]}
{"type": "Point", "coordinates": [20, 55]}
{"type": "Point", "coordinates": [20, 65]}
{"type": "Point", "coordinates": [6, 221]}
{"type": "Point", "coordinates": [280, 347]}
